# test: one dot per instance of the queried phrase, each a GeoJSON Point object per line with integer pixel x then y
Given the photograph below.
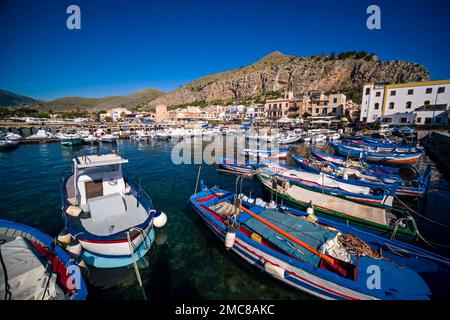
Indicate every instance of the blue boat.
{"type": "Point", "coordinates": [349, 163]}
{"type": "Point", "coordinates": [320, 256]}
{"type": "Point", "coordinates": [371, 145]}
{"type": "Point", "coordinates": [236, 165]}
{"type": "Point", "coordinates": [376, 157]}
{"type": "Point", "coordinates": [331, 185]}
{"type": "Point", "coordinates": [35, 267]}
{"type": "Point", "coordinates": [417, 187]}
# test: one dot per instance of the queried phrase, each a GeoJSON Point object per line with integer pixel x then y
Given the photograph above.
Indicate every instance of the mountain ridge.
{"type": "Point", "coordinates": [346, 71]}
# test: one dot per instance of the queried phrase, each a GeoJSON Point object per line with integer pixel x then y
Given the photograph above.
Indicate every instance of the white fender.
{"type": "Point", "coordinates": [273, 270]}
{"type": "Point", "coordinates": [160, 219]}
{"type": "Point", "coordinates": [74, 248]}
{"type": "Point", "coordinates": [64, 237]}
{"type": "Point", "coordinates": [229, 240]}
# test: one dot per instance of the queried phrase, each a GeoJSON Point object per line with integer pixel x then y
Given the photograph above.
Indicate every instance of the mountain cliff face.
{"type": "Point", "coordinates": [279, 72]}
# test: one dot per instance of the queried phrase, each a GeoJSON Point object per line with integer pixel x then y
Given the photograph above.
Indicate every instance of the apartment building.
{"type": "Point", "coordinates": [424, 102]}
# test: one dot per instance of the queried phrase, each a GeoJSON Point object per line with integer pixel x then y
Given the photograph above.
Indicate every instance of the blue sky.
{"type": "Point", "coordinates": [124, 46]}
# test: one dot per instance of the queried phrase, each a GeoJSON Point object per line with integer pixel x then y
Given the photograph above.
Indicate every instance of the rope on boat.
{"type": "Point", "coordinates": [356, 246]}
{"type": "Point", "coordinates": [136, 269]}
{"type": "Point", "coordinates": [420, 215]}
{"type": "Point", "coordinates": [398, 250]}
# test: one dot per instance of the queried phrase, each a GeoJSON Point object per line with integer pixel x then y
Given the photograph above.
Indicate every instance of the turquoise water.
{"type": "Point", "coordinates": [187, 262]}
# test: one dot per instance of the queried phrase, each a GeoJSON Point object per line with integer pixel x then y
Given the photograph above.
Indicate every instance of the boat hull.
{"type": "Point", "coordinates": [117, 261]}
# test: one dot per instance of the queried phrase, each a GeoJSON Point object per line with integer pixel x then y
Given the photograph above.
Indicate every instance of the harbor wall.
{"type": "Point", "coordinates": [437, 146]}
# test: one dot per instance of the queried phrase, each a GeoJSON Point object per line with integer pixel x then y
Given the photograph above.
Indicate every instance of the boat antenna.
{"type": "Point", "coordinates": [198, 177]}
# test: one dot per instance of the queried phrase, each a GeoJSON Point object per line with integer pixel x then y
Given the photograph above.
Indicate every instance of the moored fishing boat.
{"type": "Point", "coordinates": [416, 187]}
{"type": "Point", "coordinates": [381, 147]}
{"type": "Point", "coordinates": [320, 256]}
{"type": "Point", "coordinates": [69, 138]}
{"type": "Point", "coordinates": [290, 137]}
{"type": "Point", "coordinates": [318, 138]}
{"type": "Point", "coordinates": [272, 154]}
{"type": "Point", "coordinates": [106, 212]}
{"type": "Point", "coordinates": [324, 183]}
{"type": "Point", "coordinates": [377, 157]}
{"type": "Point", "coordinates": [7, 144]}
{"type": "Point", "coordinates": [36, 267]}
{"type": "Point", "coordinates": [237, 166]}
{"type": "Point", "coordinates": [384, 220]}
{"type": "Point", "coordinates": [349, 163]}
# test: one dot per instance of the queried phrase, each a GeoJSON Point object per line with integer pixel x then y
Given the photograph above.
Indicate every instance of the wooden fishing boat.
{"type": "Point", "coordinates": [417, 187]}
{"type": "Point", "coordinates": [349, 163]}
{"type": "Point", "coordinates": [381, 147]}
{"type": "Point", "coordinates": [384, 220]}
{"type": "Point", "coordinates": [34, 267]}
{"type": "Point", "coordinates": [271, 154]}
{"type": "Point", "coordinates": [324, 183]}
{"type": "Point", "coordinates": [111, 216]}
{"type": "Point", "coordinates": [321, 256]}
{"type": "Point", "coordinates": [237, 165]}
{"type": "Point", "coordinates": [377, 157]}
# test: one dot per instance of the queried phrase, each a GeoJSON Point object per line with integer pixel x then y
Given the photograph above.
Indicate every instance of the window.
{"type": "Point", "coordinates": [391, 105]}
{"type": "Point", "coordinates": [410, 92]}
{"type": "Point", "coordinates": [364, 119]}
{"type": "Point", "coordinates": [378, 94]}
{"type": "Point", "coordinates": [334, 100]}
{"type": "Point", "coordinates": [403, 120]}
{"type": "Point", "coordinates": [334, 110]}
{"type": "Point", "coordinates": [441, 90]}
{"type": "Point", "coordinates": [427, 120]}
{"type": "Point", "coordinates": [408, 105]}
{"type": "Point", "coordinates": [429, 90]}
{"type": "Point", "coordinates": [393, 93]}
{"type": "Point", "coordinates": [387, 120]}
{"type": "Point", "coordinates": [427, 103]}
{"type": "Point", "coordinates": [324, 111]}
{"type": "Point", "coordinates": [367, 91]}
{"type": "Point", "coordinates": [317, 110]}
{"type": "Point", "coordinates": [419, 120]}
{"type": "Point", "coordinates": [377, 106]}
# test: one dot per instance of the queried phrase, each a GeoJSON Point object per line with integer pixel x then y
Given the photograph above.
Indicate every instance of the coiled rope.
{"type": "Point", "coordinates": [356, 246]}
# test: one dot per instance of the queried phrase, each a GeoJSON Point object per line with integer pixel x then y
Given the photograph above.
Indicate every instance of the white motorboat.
{"type": "Point", "coordinates": [141, 135]}
{"type": "Point", "coordinates": [318, 138]}
{"type": "Point", "coordinates": [69, 138]}
{"type": "Point", "coordinates": [41, 135]}
{"type": "Point", "coordinates": [108, 214]}
{"type": "Point", "coordinates": [290, 137]}
{"type": "Point", "coordinates": [13, 136]}
{"type": "Point", "coordinates": [334, 136]}
{"type": "Point", "coordinates": [109, 138]}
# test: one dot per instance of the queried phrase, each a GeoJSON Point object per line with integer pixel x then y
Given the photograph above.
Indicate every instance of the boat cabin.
{"type": "Point", "coordinates": [97, 176]}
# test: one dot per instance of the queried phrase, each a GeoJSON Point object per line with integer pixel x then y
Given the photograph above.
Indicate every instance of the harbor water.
{"type": "Point", "coordinates": [187, 260]}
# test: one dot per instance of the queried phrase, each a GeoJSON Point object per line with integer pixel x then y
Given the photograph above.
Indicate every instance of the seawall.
{"type": "Point", "coordinates": [437, 146]}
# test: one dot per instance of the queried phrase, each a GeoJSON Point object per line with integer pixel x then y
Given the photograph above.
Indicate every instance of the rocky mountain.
{"type": "Point", "coordinates": [279, 72]}
{"type": "Point", "coordinates": [9, 99]}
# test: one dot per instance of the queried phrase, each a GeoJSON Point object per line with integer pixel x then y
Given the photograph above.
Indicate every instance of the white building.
{"type": "Point", "coordinates": [424, 102]}
{"type": "Point", "coordinates": [116, 113]}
